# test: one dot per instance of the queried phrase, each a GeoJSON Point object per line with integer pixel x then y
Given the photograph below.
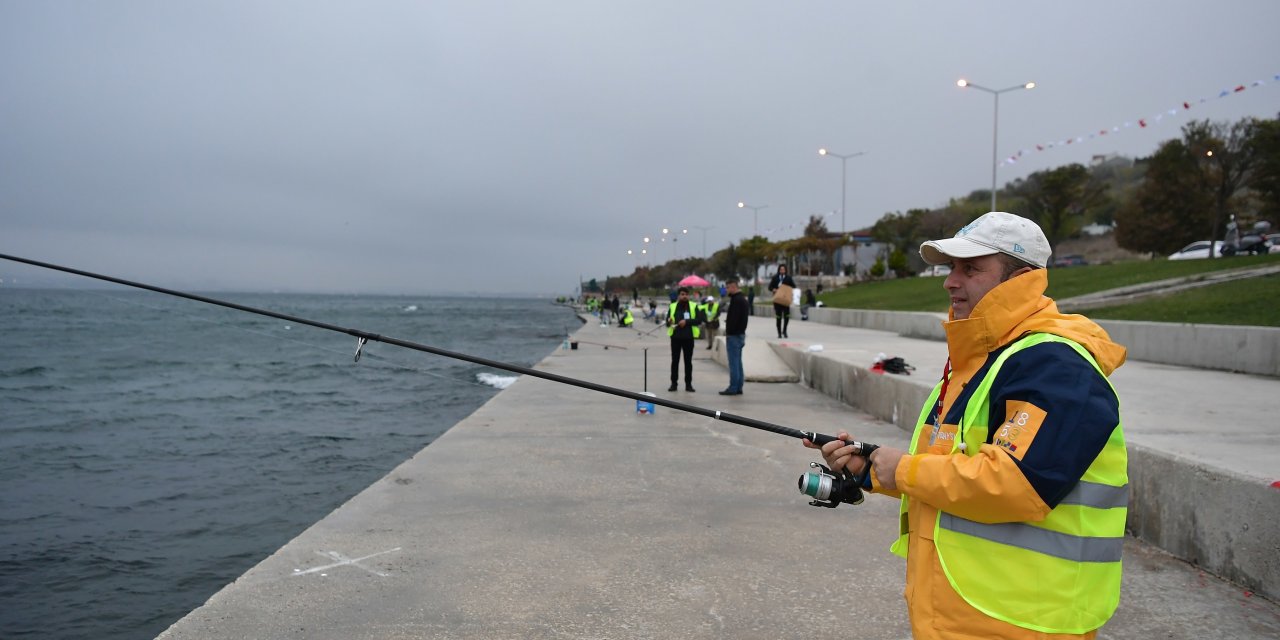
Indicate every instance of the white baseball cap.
{"type": "Point", "coordinates": [994, 232]}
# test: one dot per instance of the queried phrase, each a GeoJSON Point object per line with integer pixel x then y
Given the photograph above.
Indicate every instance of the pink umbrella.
{"type": "Point", "coordinates": [693, 281]}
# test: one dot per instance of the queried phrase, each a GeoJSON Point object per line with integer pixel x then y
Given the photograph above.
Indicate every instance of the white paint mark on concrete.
{"type": "Point", "coordinates": [342, 561]}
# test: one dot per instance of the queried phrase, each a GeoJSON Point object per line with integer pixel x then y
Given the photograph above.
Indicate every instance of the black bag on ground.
{"type": "Point", "coordinates": [898, 365]}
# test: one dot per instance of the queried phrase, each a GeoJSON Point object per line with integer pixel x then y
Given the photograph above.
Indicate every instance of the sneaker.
{"type": "Point", "coordinates": [672, 387]}
{"type": "Point", "coordinates": [727, 392]}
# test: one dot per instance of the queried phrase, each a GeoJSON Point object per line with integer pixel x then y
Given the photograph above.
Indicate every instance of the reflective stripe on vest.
{"type": "Point", "coordinates": [671, 316]}
{"type": "Point", "coordinates": [1058, 575]}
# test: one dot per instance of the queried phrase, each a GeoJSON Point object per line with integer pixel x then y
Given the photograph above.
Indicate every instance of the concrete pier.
{"type": "Point", "coordinates": [557, 512]}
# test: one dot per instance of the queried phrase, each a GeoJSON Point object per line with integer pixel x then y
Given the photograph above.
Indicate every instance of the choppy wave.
{"type": "Point", "coordinates": [186, 443]}
{"type": "Point", "coordinates": [496, 381]}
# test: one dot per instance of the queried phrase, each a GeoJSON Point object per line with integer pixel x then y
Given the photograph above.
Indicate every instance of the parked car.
{"type": "Point", "coordinates": [1070, 261]}
{"type": "Point", "coordinates": [1274, 240]}
{"type": "Point", "coordinates": [1196, 250]}
{"type": "Point", "coordinates": [936, 270]}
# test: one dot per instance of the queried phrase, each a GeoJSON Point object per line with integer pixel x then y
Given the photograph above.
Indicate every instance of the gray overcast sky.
{"type": "Point", "coordinates": [478, 146]}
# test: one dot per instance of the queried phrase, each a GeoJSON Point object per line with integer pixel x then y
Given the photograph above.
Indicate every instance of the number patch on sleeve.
{"type": "Point", "coordinates": [1022, 421]}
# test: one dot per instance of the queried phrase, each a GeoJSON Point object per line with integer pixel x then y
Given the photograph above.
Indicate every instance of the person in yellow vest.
{"type": "Point", "coordinates": [711, 313]}
{"type": "Point", "coordinates": [684, 322]}
{"type": "Point", "coordinates": [627, 318]}
{"type": "Point", "coordinates": [1014, 490]}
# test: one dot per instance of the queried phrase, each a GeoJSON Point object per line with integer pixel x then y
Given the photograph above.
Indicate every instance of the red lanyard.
{"type": "Point", "coordinates": [942, 395]}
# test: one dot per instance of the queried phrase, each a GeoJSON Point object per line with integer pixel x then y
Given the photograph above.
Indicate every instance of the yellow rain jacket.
{"type": "Point", "coordinates": [999, 484]}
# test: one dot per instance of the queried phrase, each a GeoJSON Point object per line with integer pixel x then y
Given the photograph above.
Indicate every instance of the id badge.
{"type": "Point", "coordinates": [942, 438]}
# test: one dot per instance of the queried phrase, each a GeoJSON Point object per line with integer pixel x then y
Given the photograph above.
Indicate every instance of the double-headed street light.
{"type": "Point", "coordinates": [995, 129]}
{"type": "Point", "coordinates": [755, 229]}
{"type": "Point", "coordinates": [844, 174]}
{"type": "Point", "coordinates": [674, 238]}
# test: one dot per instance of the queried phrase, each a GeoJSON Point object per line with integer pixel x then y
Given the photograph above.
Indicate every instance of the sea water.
{"type": "Point", "coordinates": [152, 449]}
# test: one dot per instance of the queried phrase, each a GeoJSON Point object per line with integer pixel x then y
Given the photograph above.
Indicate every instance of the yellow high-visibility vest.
{"type": "Point", "coordinates": [1057, 575]}
{"type": "Point", "coordinates": [671, 316]}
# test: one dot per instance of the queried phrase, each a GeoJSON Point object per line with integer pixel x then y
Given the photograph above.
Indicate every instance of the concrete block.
{"type": "Point", "coordinates": [1223, 522]}
{"type": "Point", "coordinates": [1241, 349]}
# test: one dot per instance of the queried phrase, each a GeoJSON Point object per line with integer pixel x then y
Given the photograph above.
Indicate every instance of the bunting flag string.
{"type": "Point", "coordinates": [1141, 123]}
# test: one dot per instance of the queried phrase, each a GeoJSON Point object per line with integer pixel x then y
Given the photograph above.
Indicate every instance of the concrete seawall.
{"type": "Point", "coordinates": [1239, 349]}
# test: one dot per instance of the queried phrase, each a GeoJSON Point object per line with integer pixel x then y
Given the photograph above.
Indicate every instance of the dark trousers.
{"type": "Point", "coordinates": [685, 346]}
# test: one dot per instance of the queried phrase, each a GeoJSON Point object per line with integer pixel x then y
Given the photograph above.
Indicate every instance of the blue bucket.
{"type": "Point", "coordinates": [646, 408]}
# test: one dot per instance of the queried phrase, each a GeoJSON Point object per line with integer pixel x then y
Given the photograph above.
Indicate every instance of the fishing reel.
{"type": "Point", "coordinates": [830, 489]}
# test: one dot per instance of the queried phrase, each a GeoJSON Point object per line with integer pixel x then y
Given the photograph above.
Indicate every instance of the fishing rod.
{"type": "Point", "coordinates": [828, 488]}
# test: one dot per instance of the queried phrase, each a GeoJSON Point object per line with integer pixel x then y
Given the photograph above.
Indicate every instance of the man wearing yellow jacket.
{"type": "Point", "coordinates": [1014, 490]}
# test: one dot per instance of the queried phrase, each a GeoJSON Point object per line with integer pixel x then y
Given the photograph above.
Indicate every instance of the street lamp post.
{"type": "Point", "coordinates": [995, 128]}
{"type": "Point", "coordinates": [755, 228]}
{"type": "Point", "coordinates": [704, 239]}
{"type": "Point", "coordinates": [844, 174]}
{"type": "Point", "coordinates": [674, 238]}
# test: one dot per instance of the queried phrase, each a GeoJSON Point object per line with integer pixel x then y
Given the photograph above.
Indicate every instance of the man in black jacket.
{"type": "Point", "coordinates": [735, 336]}
{"type": "Point", "coordinates": [684, 321]}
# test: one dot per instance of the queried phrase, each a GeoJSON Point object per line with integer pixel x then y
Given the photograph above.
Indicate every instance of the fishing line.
{"type": "Point", "coordinates": [389, 362]}
{"type": "Point", "coordinates": [363, 337]}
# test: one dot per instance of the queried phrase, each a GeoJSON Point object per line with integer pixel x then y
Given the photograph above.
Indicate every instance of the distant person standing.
{"type": "Point", "coordinates": [751, 300]}
{"type": "Point", "coordinates": [683, 324]}
{"type": "Point", "coordinates": [617, 307]}
{"type": "Point", "coordinates": [711, 313]}
{"type": "Point", "coordinates": [782, 310]}
{"type": "Point", "coordinates": [735, 336]}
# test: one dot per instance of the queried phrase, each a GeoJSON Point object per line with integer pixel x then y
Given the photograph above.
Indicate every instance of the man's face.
{"type": "Point", "coordinates": [732, 288]}
{"type": "Point", "coordinates": [970, 280]}
{"type": "Point", "coordinates": [684, 296]}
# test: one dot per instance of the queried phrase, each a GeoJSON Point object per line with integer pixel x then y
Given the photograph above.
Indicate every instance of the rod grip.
{"type": "Point", "coordinates": [861, 448]}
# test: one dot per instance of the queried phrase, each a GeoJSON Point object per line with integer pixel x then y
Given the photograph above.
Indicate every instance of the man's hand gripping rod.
{"type": "Point", "coordinates": [829, 488]}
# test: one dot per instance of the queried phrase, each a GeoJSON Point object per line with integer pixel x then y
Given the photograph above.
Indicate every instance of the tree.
{"type": "Point", "coordinates": [898, 230]}
{"type": "Point", "coordinates": [725, 263]}
{"type": "Point", "coordinates": [898, 263]}
{"type": "Point", "coordinates": [1168, 207]}
{"type": "Point", "coordinates": [877, 269]}
{"type": "Point", "coordinates": [1265, 144]}
{"type": "Point", "coordinates": [754, 251]}
{"type": "Point", "coordinates": [1224, 164]}
{"type": "Point", "coordinates": [1057, 199]}
{"type": "Point", "coordinates": [816, 228]}
{"type": "Point", "coordinates": [904, 232]}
